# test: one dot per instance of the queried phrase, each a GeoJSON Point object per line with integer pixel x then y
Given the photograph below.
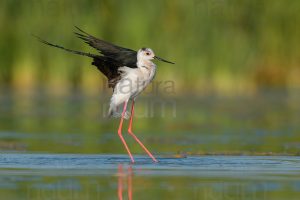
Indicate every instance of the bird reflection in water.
{"type": "Point", "coordinates": [122, 178]}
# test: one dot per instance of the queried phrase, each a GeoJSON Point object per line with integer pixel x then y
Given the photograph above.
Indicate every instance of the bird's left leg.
{"type": "Point", "coordinates": [120, 132]}
{"type": "Point", "coordinates": [133, 135]}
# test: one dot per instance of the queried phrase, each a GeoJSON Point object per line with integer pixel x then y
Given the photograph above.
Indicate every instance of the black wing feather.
{"type": "Point", "coordinates": [113, 57]}
{"type": "Point", "coordinates": [106, 65]}
{"type": "Point", "coordinates": [61, 47]}
{"type": "Point", "coordinates": [120, 55]}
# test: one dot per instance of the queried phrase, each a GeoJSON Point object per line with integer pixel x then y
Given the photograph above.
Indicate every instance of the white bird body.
{"type": "Point", "coordinates": [128, 72]}
{"type": "Point", "coordinates": [133, 81]}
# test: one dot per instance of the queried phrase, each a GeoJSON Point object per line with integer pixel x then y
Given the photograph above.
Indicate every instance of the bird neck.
{"type": "Point", "coordinates": [142, 63]}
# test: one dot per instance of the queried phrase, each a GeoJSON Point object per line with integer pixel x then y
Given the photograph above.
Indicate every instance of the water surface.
{"type": "Point", "coordinates": [77, 176]}
{"type": "Point", "coordinates": [210, 148]}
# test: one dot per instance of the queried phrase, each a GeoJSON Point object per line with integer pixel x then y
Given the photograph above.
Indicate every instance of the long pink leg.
{"type": "Point", "coordinates": [120, 132]}
{"type": "Point", "coordinates": [133, 135]}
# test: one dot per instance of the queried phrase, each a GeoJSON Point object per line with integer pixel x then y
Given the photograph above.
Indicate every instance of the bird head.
{"type": "Point", "coordinates": [148, 54]}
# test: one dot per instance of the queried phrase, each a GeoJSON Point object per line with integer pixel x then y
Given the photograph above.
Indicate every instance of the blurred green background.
{"type": "Point", "coordinates": [227, 46]}
{"type": "Point", "coordinates": [234, 88]}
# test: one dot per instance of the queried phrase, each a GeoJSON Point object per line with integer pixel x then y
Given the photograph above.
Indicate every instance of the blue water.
{"type": "Point", "coordinates": [64, 149]}
{"type": "Point", "coordinates": [195, 166]}
{"type": "Point", "coordinates": [87, 176]}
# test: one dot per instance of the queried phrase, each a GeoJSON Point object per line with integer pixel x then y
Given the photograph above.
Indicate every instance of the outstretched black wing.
{"type": "Point", "coordinates": [111, 59]}
{"type": "Point", "coordinates": [121, 56]}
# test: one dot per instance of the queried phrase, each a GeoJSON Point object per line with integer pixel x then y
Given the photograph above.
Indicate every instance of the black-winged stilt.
{"type": "Point", "coordinates": [128, 73]}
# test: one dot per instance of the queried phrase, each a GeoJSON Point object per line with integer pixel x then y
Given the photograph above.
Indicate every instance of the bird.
{"type": "Point", "coordinates": [123, 67]}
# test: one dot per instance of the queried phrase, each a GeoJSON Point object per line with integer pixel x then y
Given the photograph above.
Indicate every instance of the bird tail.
{"type": "Point", "coordinates": [63, 48]}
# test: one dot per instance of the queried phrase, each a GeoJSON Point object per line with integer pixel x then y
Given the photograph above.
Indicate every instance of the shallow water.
{"type": "Point", "coordinates": [79, 176]}
{"type": "Point", "coordinates": [76, 123]}
{"type": "Point", "coordinates": [64, 148]}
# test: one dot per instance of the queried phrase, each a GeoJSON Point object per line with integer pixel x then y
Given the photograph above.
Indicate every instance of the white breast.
{"type": "Point", "coordinates": [136, 79]}
{"type": "Point", "coordinates": [133, 82]}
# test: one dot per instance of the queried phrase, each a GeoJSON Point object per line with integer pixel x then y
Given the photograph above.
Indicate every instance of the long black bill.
{"type": "Point", "coordinates": [158, 58]}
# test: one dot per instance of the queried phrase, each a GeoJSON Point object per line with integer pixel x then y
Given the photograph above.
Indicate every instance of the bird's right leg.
{"type": "Point", "coordinates": [134, 136]}
{"type": "Point", "coordinates": [120, 132]}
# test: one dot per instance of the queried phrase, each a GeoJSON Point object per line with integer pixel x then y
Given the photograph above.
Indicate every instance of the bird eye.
{"type": "Point", "coordinates": [147, 53]}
